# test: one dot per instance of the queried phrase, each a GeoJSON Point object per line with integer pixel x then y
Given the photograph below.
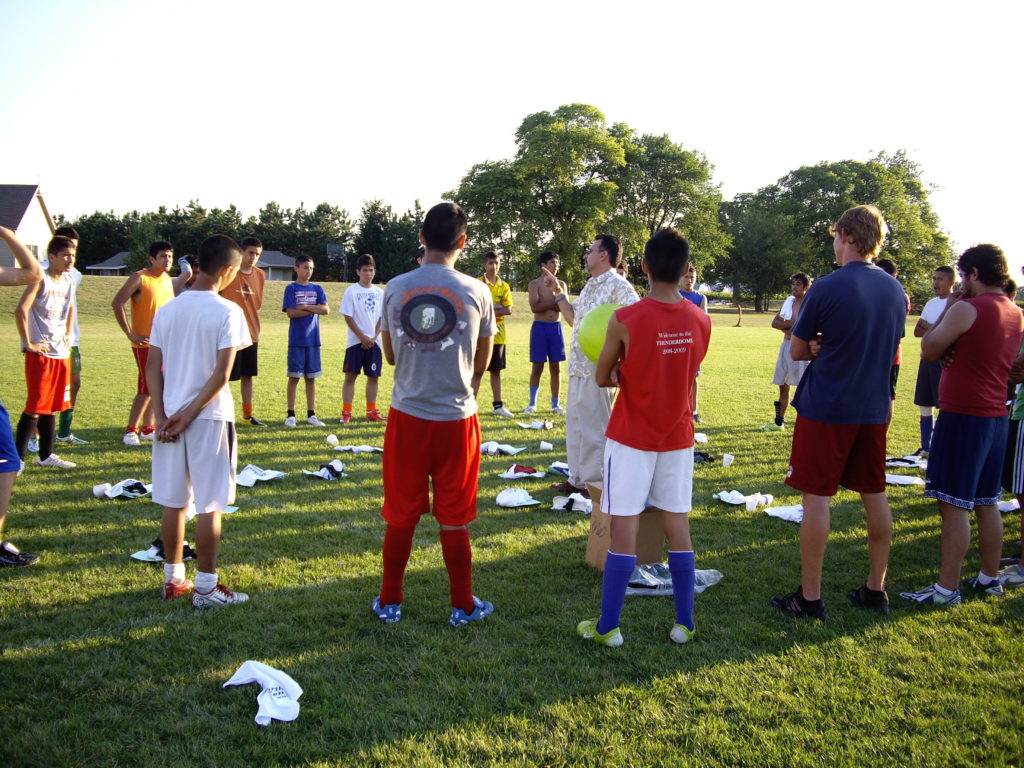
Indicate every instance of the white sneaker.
{"type": "Point", "coordinates": [530, 409]}
{"type": "Point", "coordinates": [291, 422]}
{"type": "Point", "coordinates": [33, 445]}
{"type": "Point", "coordinates": [148, 437]}
{"type": "Point", "coordinates": [1012, 576]}
{"type": "Point", "coordinates": [218, 597]}
{"type": "Point", "coordinates": [503, 411]}
{"type": "Point", "coordinates": [53, 460]}
{"type": "Point", "coordinates": [71, 439]}
{"type": "Point", "coordinates": [131, 438]}
{"type": "Point", "coordinates": [559, 410]}
{"type": "Point", "coordinates": [314, 421]}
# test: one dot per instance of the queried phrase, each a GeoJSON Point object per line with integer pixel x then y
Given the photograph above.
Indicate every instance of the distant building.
{"type": "Point", "coordinates": [23, 210]}
{"type": "Point", "coordinates": [115, 265]}
{"type": "Point", "coordinates": [277, 265]}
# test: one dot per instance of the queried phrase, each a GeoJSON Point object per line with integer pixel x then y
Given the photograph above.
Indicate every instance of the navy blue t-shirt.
{"type": "Point", "coordinates": [860, 312]}
{"type": "Point", "coordinates": [303, 331]}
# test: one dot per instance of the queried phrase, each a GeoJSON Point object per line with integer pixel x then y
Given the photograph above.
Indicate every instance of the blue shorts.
{"type": "Point", "coordinates": [9, 459]}
{"type": "Point", "coordinates": [304, 362]}
{"type": "Point", "coordinates": [546, 342]}
{"type": "Point", "coordinates": [365, 361]}
{"type": "Point", "coordinates": [965, 462]}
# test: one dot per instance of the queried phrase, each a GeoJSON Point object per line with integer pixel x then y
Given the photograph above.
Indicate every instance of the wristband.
{"type": "Point", "coordinates": [560, 297]}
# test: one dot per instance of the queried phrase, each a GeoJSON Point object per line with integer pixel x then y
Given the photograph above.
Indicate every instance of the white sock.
{"type": "Point", "coordinates": [205, 582]}
{"type": "Point", "coordinates": [174, 572]}
{"type": "Point", "coordinates": [938, 588]}
{"type": "Point", "coordinates": [984, 578]}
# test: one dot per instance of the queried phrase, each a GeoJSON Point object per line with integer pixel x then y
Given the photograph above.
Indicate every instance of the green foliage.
{"type": "Point", "coordinates": [392, 240]}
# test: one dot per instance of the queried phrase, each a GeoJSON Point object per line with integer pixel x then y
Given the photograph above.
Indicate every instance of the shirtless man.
{"type": "Point", "coordinates": [788, 371]}
{"type": "Point", "coordinates": [547, 345]}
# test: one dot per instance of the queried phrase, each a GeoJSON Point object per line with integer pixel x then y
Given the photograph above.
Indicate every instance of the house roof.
{"type": "Point", "coordinates": [117, 261]}
{"type": "Point", "coordinates": [14, 202]}
{"type": "Point", "coordinates": [275, 259]}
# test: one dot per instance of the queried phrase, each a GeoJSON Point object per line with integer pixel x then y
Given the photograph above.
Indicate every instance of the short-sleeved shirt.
{"type": "Point", "coordinates": [933, 310]}
{"type": "Point", "coordinates": [434, 316]}
{"type": "Point", "coordinates": [303, 331]}
{"type": "Point", "coordinates": [607, 288]}
{"type": "Point", "coordinates": [501, 295]}
{"type": "Point", "coordinates": [48, 315]}
{"type": "Point", "coordinates": [247, 292]}
{"type": "Point", "coordinates": [860, 312]}
{"type": "Point", "coordinates": [154, 292]}
{"type": "Point", "coordinates": [695, 297]}
{"type": "Point", "coordinates": [363, 305]}
{"type": "Point", "coordinates": [189, 331]}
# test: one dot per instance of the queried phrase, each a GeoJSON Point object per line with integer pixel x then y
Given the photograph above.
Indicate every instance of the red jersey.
{"type": "Point", "coordinates": [667, 343]}
{"type": "Point", "coordinates": [975, 383]}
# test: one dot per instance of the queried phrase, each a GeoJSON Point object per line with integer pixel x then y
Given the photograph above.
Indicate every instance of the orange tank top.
{"type": "Point", "coordinates": [154, 292]}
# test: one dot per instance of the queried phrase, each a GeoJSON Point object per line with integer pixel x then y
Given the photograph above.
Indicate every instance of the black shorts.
{"type": "Point", "coordinates": [365, 361]}
{"type": "Point", "coordinates": [245, 363]}
{"type": "Point", "coordinates": [894, 374]}
{"type": "Point", "coordinates": [497, 359]}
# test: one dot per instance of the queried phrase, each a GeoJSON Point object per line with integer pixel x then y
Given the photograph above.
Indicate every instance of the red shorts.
{"type": "Point", "coordinates": [49, 384]}
{"type": "Point", "coordinates": [417, 451]}
{"type": "Point", "coordinates": [825, 456]}
{"type": "Point", "coordinates": [141, 356]}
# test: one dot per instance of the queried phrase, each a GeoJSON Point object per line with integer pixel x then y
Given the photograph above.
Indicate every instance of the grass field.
{"type": "Point", "coordinates": [97, 671]}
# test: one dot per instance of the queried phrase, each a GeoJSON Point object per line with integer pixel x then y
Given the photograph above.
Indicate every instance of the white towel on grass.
{"type": "Point", "coordinates": [279, 699]}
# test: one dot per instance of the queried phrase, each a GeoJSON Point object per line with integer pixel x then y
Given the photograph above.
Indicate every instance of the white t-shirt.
{"type": "Point", "coordinates": [933, 310]}
{"type": "Point", "coordinates": [48, 315]}
{"type": "Point", "coordinates": [189, 331]}
{"type": "Point", "coordinates": [363, 305]}
{"type": "Point", "coordinates": [76, 280]}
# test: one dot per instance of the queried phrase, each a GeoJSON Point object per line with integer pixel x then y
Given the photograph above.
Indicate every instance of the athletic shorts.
{"type": "Point", "coordinates": [365, 361]}
{"type": "Point", "coordinates": [1013, 462]}
{"type": "Point", "coordinates": [49, 384]}
{"type": "Point", "coordinates": [246, 362]}
{"type": "Point", "coordinates": [894, 375]}
{"type": "Point", "coordinates": [965, 461]}
{"type": "Point", "coordinates": [926, 392]}
{"type": "Point", "coordinates": [787, 370]}
{"type": "Point", "coordinates": [825, 456]}
{"type": "Point", "coordinates": [497, 358]}
{"type": "Point", "coordinates": [420, 453]}
{"type": "Point", "coordinates": [10, 461]}
{"type": "Point", "coordinates": [634, 479]}
{"type": "Point", "coordinates": [304, 362]}
{"type": "Point", "coordinates": [141, 356]}
{"type": "Point", "coordinates": [76, 360]}
{"type": "Point", "coordinates": [199, 467]}
{"type": "Point", "coordinates": [547, 344]}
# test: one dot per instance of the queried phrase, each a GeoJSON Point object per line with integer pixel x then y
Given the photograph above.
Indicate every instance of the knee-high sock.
{"type": "Point", "coordinates": [26, 428]}
{"type": "Point", "coordinates": [64, 426]}
{"type": "Point", "coordinates": [397, 548]}
{"type": "Point", "coordinates": [617, 570]}
{"type": "Point", "coordinates": [533, 395]}
{"type": "Point", "coordinates": [681, 565]}
{"type": "Point", "coordinates": [458, 559]}
{"type": "Point", "coordinates": [47, 429]}
{"type": "Point", "coordinates": [926, 432]}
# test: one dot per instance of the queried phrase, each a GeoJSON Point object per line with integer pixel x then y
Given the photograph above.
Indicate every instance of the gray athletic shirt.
{"type": "Point", "coordinates": [435, 315]}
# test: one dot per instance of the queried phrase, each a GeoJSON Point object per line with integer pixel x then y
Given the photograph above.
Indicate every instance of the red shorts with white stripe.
{"type": "Point", "coordinates": [141, 356]}
{"type": "Point", "coordinates": [49, 384]}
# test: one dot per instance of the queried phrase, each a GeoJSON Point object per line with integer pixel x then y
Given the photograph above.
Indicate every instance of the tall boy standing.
{"type": "Point", "coordinates": [64, 433]}
{"type": "Point", "coordinates": [436, 330]}
{"type": "Point", "coordinates": [193, 343]}
{"type": "Point", "coordinates": [304, 302]}
{"type": "Point", "coordinates": [652, 347]}
{"type": "Point", "coordinates": [361, 308]}
{"type": "Point", "coordinates": [788, 371]}
{"type": "Point", "coordinates": [501, 296]}
{"type": "Point", "coordinates": [926, 392]}
{"type": "Point", "coordinates": [246, 290]}
{"type": "Point", "coordinates": [547, 343]}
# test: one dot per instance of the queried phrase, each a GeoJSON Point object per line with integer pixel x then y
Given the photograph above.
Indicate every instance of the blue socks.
{"type": "Point", "coordinates": [617, 570]}
{"type": "Point", "coordinates": [926, 432]}
{"type": "Point", "coordinates": [554, 402]}
{"type": "Point", "coordinates": [533, 396]}
{"type": "Point", "coordinates": [681, 565]}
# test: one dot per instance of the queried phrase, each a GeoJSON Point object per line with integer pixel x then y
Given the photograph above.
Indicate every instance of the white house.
{"type": "Point", "coordinates": [277, 265]}
{"type": "Point", "coordinates": [23, 210]}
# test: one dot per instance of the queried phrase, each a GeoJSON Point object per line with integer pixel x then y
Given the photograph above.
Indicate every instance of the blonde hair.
{"type": "Point", "coordinates": [866, 226]}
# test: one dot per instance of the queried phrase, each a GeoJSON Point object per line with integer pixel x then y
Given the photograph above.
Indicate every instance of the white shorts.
{"type": "Point", "coordinates": [200, 467]}
{"type": "Point", "coordinates": [634, 479]}
{"type": "Point", "coordinates": [788, 371]}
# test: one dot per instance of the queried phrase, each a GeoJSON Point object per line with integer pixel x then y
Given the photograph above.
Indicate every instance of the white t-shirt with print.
{"type": "Point", "coordinates": [363, 305]}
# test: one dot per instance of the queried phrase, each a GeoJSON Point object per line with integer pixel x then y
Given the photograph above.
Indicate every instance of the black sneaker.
{"type": "Point", "coordinates": [973, 586]}
{"type": "Point", "coordinates": [187, 553]}
{"type": "Point", "coordinates": [10, 557]}
{"type": "Point", "coordinates": [872, 599]}
{"type": "Point", "coordinates": [256, 422]}
{"type": "Point", "coordinates": [795, 605]}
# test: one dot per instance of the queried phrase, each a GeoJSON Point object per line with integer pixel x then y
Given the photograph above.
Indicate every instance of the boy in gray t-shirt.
{"type": "Point", "coordinates": [437, 328]}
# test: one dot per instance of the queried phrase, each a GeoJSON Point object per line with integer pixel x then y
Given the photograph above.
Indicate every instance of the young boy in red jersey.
{"type": "Point", "coordinates": [652, 348]}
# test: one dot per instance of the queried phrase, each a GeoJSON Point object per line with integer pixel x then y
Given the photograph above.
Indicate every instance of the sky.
{"type": "Point", "coordinates": [114, 105]}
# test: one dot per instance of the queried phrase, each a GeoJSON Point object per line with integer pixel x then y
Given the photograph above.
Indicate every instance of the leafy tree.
{"type": "Point", "coordinates": [392, 240]}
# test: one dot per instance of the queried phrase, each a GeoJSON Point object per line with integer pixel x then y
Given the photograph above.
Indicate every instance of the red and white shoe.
{"type": "Point", "coordinates": [374, 416]}
{"type": "Point", "coordinates": [173, 589]}
{"type": "Point", "coordinates": [218, 597]}
{"type": "Point", "coordinates": [346, 417]}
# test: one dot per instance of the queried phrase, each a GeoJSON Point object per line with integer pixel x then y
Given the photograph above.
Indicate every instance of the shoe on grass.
{"type": "Point", "coordinates": [587, 629]}
{"type": "Point", "coordinates": [33, 445]}
{"type": "Point", "coordinates": [874, 600]}
{"type": "Point", "coordinates": [53, 460]}
{"type": "Point", "coordinates": [773, 427]}
{"type": "Point", "coordinates": [389, 614]}
{"type": "Point", "coordinates": [931, 596]}
{"type": "Point", "coordinates": [256, 422]}
{"type": "Point", "coordinates": [173, 589]}
{"type": "Point", "coordinates": [346, 417]}
{"type": "Point", "coordinates": [481, 610]}
{"type": "Point", "coordinates": [530, 409]}
{"type": "Point", "coordinates": [72, 440]}
{"type": "Point", "coordinates": [217, 597]}
{"type": "Point", "coordinates": [375, 416]}
{"type": "Point", "coordinates": [291, 422]}
{"type": "Point", "coordinates": [12, 557]}
{"type": "Point", "coordinates": [558, 410]}
{"type": "Point", "coordinates": [502, 411]}
{"type": "Point", "coordinates": [681, 634]}
{"type": "Point", "coordinates": [1012, 576]}
{"type": "Point", "coordinates": [796, 605]}
{"type": "Point", "coordinates": [132, 439]}
{"type": "Point", "coordinates": [313, 421]}
{"type": "Point", "coordinates": [973, 586]}
{"type": "Point", "coordinates": [147, 437]}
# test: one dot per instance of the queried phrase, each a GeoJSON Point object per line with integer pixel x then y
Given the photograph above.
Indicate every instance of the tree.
{"type": "Point", "coordinates": [392, 240]}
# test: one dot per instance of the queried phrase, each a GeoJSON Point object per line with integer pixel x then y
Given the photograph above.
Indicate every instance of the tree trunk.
{"type": "Point", "coordinates": [759, 301]}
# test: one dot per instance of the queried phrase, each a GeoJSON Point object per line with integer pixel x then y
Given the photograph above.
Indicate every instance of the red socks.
{"type": "Point", "coordinates": [397, 548]}
{"type": "Point", "coordinates": [458, 559]}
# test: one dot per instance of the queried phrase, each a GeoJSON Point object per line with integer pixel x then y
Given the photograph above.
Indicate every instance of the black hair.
{"type": "Point", "coordinates": [69, 232]}
{"type": "Point", "coordinates": [159, 245]}
{"type": "Point", "coordinates": [302, 259]}
{"type": "Point", "coordinates": [612, 247]}
{"type": "Point", "coordinates": [666, 254]}
{"type": "Point", "coordinates": [547, 256]}
{"type": "Point", "coordinates": [887, 266]}
{"type": "Point", "coordinates": [1010, 289]}
{"type": "Point", "coordinates": [803, 277]}
{"type": "Point", "coordinates": [946, 270]}
{"type": "Point", "coordinates": [58, 243]}
{"type": "Point", "coordinates": [443, 226]}
{"type": "Point", "coordinates": [490, 256]}
{"type": "Point", "coordinates": [990, 262]}
{"type": "Point", "coordinates": [216, 252]}
{"type": "Point", "coordinates": [365, 259]}
{"type": "Point", "coordinates": [251, 242]}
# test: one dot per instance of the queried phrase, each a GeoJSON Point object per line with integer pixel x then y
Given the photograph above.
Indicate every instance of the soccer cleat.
{"type": "Point", "coordinates": [313, 421]}
{"type": "Point", "coordinates": [1012, 576]}
{"type": "Point", "coordinates": [558, 410]}
{"type": "Point", "coordinates": [502, 411]}
{"type": "Point", "coordinates": [974, 586]}
{"type": "Point", "coordinates": [173, 590]}
{"type": "Point", "coordinates": [773, 427]}
{"type": "Point", "coordinates": [218, 597]}
{"type": "Point", "coordinates": [375, 416]}
{"type": "Point", "coordinates": [291, 422]}
{"type": "Point", "coordinates": [875, 600]}
{"type": "Point", "coordinates": [389, 614]}
{"type": "Point", "coordinates": [71, 439]}
{"type": "Point", "coordinates": [53, 460]}
{"type": "Point", "coordinates": [681, 634]}
{"type": "Point", "coordinates": [12, 557]}
{"type": "Point", "coordinates": [931, 596]}
{"type": "Point", "coordinates": [481, 610]}
{"type": "Point", "coordinates": [530, 409]}
{"type": "Point", "coordinates": [795, 605]}
{"type": "Point", "coordinates": [256, 422]}
{"type": "Point", "coordinates": [587, 629]}
{"type": "Point", "coordinates": [346, 417]}
{"type": "Point", "coordinates": [132, 439]}
{"type": "Point", "coordinates": [148, 437]}
{"type": "Point", "coordinates": [33, 445]}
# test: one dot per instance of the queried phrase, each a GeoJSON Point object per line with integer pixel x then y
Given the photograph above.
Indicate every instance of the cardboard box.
{"type": "Point", "coordinates": [650, 541]}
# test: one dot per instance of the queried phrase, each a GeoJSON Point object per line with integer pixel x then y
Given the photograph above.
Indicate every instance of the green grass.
{"type": "Point", "coordinates": [97, 671]}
